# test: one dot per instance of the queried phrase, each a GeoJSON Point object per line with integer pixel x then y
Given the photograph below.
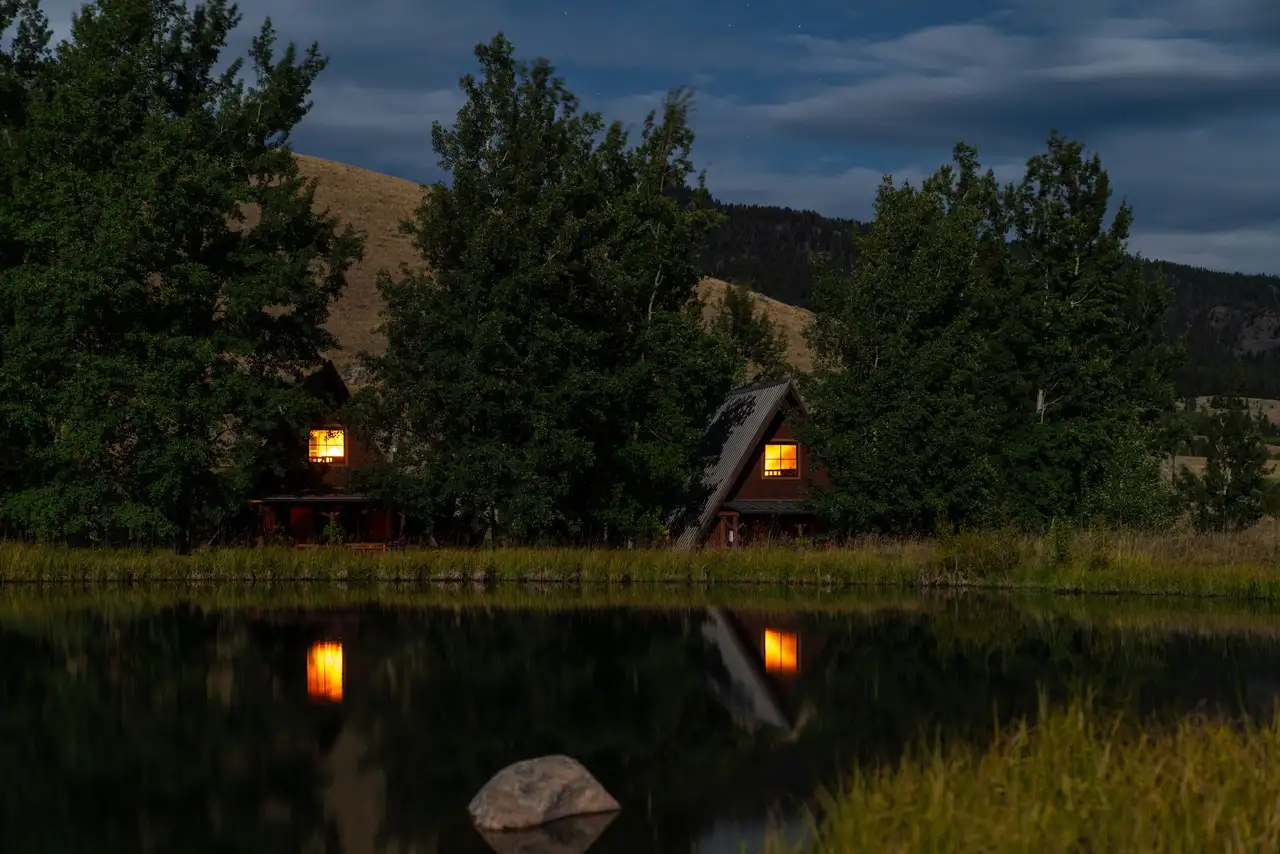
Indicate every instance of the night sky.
{"type": "Point", "coordinates": [808, 104]}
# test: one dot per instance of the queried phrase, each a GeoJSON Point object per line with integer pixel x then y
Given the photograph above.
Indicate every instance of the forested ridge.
{"type": "Point", "coordinates": [1228, 321]}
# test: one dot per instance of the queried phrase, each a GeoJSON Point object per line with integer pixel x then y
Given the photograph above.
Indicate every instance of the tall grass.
{"type": "Point", "coordinates": [1245, 565]}
{"type": "Point", "coordinates": [1077, 780]}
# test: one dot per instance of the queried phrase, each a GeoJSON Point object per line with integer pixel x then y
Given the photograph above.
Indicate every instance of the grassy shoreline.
{"type": "Point", "coordinates": [1146, 614]}
{"type": "Point", "coordinates": [1244, 565]}
{"type": "Point", "coordinates": [1076, 780]}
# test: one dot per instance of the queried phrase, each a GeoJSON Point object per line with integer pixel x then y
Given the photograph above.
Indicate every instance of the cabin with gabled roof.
{"type": "Point", "coordinates": [760, 475]}
{"type": "Point", "coordinates": [317, 491]}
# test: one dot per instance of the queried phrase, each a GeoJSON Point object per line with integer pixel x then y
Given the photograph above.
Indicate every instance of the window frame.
{"type": "Point", "coordinates": [780, 474]}
{"type": "Point", "coordinates": [337, 463]}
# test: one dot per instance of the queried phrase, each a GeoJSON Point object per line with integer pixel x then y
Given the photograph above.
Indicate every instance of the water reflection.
{"type": "Point", "coordinates": [780, 652]}
{"type": "Point", "coordinates": [196, 730]}
{"type": "Point", "coordinates": [324, 672]}
{"type": "Point", "coordinates": [567, 836]}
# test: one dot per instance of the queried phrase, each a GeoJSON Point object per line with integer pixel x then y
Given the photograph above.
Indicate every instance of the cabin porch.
{"type": "Point", "coordinates": [348, 519]}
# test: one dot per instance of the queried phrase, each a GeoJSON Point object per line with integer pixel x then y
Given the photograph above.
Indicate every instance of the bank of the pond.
{"type": "Point", "coordinates": [1077, 780]}
{"type": "Point", "coordinates": [1013, 611]}
{"type": "Point", "coordinates": [1245, 565]}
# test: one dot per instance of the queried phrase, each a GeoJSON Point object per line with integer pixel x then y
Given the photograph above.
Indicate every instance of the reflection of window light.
{"type": "Point", "coordinates": [324, 672]}
{"type": "Point", "coordinates": [780, 461]}
{"type": "Point", "coordinates": [781, 652]}
{"type": "Point", "coordinates": [327, 446]}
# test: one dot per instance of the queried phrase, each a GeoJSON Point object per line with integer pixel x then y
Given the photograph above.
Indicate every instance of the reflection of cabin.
{"type": "Point", "coordinates": [763, 655]}
{"type": "Point", "coordinates": [760, 475]}
{"type": "Point", "coordinates": [315, 493]}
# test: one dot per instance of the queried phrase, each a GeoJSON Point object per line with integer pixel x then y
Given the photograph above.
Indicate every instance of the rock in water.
{"type": "Point", "coordinates": [537, 791]}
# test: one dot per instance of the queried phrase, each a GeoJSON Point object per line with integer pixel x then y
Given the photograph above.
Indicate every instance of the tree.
{"type": "Point", "coordinates": [896, 417]}
{"type": "Point", "coordinates": [156, 337]}
{"type": "Point", "coordinates": [1080, 359]}
{"type": "Point", "coordinates": [547, 373]}
{"type": "Point", "coordinates": [759, 341]}
{"type": "Point", "coordinates": [1229, 496]}
{"type": "Point", "coordinates": [22, 61]}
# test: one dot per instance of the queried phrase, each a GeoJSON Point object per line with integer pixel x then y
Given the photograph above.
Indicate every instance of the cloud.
{"type": "Point", "coordinates": [1004, 90]}
{"type": "Point", "coordinates": [847, 192]}
{"type": "Point", "coordinates": [1244, 250]}
{"type": "Point", "coordinates": [808, 105]}
{"type": "Point", "coordinates": [350, 108]}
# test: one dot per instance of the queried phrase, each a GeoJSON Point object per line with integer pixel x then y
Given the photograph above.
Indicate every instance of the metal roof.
{"type": "Point", "coordinates": [732, 434]}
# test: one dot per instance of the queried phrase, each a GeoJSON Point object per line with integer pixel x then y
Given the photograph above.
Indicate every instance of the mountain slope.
{"type": "Point", "coordinates": [376, 204]}
{"type": "Point", "coordinates": [1230, 322]}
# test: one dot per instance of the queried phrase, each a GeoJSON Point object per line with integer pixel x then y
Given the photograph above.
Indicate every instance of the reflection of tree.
{"type": "Point", "coordinates": [118, 739]}
{"type": "Point", "coordinates": [623, 692]}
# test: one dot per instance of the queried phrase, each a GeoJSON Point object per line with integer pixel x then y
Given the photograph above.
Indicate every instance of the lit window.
{"type": "Point", "coordinates": [324, 672]}
{"type": "Point", "coordinates": [781, 652]}
{"type": "Point", "coordinates": [781, 461]}
{"type": "Point", "coordinates": [327, 446]}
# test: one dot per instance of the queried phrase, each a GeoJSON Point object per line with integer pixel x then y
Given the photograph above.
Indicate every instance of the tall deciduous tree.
{"type": "Point", "coordinates": [1084, 361]}
{"type": "Point", "coordinates": [154, 341]}
{"type": "Point", "coordinates": [547, 373]}
{"type": "Point", "coordinates": [897, 418]}
{"type": "Point", "coordinates": [759, 340]}
{"type": "Point", "coordinates": [24, 33]}
{"type": "Point", "coordinates": [1230, 493]}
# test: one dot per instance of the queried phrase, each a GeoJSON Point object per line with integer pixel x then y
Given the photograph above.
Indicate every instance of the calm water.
{"type": "Point", "coordinates": [369, 729]}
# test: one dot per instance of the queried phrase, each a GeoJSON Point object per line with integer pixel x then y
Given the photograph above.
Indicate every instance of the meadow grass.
{"type": "Point", "coordinates": [1076, 780]}
{"type": "Point", "coordinates": [1242, 565]}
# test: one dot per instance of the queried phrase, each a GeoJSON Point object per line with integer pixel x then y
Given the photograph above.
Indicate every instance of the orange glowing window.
{"type": "Point", "coordinates": [324, 672]}
{"type": "Point", "coordinates": [327, 446]}
{"type": "Point", "coordinates": [781, 652]}
{"type": "Point", "coordinates": [781, 460]}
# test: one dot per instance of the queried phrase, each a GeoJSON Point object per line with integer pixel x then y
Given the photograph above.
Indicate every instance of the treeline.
{"type": "Point", "coordinates": [1226, 321]}
{"type": "Point", "coordinates": [164, 281]}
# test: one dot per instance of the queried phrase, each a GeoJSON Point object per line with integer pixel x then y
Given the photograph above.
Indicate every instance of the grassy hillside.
{"type": "Point", "coordinates": [1225, 319]}
{"type": "Point", "coordinates": [376, 204]}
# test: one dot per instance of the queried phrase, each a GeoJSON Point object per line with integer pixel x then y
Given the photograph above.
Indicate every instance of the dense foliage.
{"type": "Point", "coordinates": [1224, 319]}
{"type": "Point", "coordinates": [165, 280]}
{"type": "Point", "coordinates": [901, 346]}
{"type": "Point", "coordinates": [965, 376]}
{"type": "Point", "coordinates": [757, 338]}
{"type": "Point", "coordinates": [153, 346]}
{"type": "Point", "coordinates": [1230, 494]}
{"type": "Point", "coordinates": [548, 374]}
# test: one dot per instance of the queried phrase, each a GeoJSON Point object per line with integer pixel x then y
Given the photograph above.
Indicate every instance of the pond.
{"type": "Point", "coordinates": [368, 726]}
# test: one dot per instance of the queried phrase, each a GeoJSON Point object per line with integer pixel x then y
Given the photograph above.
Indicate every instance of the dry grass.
{"type": "Point", "coordinates": [376, 204]}
{"type": "Point", "coordinates": [1241, 566]}
{"type": "Point", "coordinates": [1196, 465]}
{"type": "Point", "coordinates": [791, 320]}
{"type": "Point", "coordinates": [1258, 545]}
{"type": "Point", "coordinates": [1078, 780]}
{"type": "Point", "coordinates": [1267, 406]}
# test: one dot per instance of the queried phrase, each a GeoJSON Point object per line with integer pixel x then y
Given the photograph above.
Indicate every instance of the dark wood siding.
{"type": "Point", "coordinates": [752, 484]}
{"type": "Point", "coordinates": [335, 478]}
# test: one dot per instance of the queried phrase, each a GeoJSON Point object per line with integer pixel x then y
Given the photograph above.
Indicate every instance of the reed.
{"type": "Point", "coordinates": [1076, 780]}
{"type": "Point", "coordinates": [1242, 565]}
